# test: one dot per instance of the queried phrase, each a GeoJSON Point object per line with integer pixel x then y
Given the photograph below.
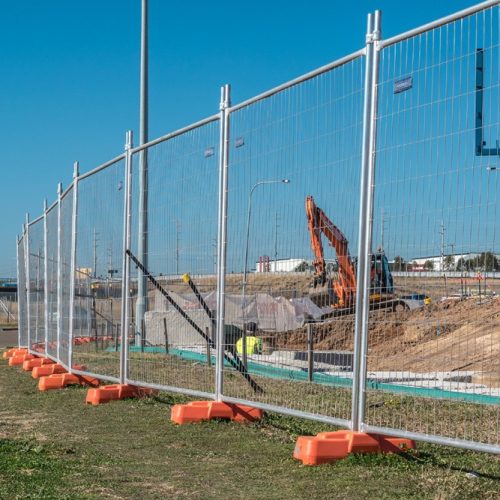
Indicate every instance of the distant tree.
{"type": "Point", "coordinates": [449, 262]}
{"type": "Point", "coordinates": [302, 267]}
{"type": "Point", "coordinates": [429, 265]}
{"type": "Point", "coordinates": [399, 263]}
{"type": "Point", "coordinates": [486, 261]}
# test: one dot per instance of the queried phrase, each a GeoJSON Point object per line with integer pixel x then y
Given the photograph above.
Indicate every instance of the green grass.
{"type": "Point", "coordinates": [53, 446]}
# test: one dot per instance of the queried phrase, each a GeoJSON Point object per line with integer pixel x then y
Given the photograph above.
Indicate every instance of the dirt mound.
{"type": "Point", "coordinates": [445, 336]}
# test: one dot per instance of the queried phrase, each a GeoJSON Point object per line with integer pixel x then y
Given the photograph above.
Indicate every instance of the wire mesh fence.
{"type": "Point", "coordinates": [98, 280]}
{"type": "Point", "coordinates": [22, 292]}
{"type": "Point", "coordinates": [436, 197]}
{"type": "Point", "coordinates": [36, 284]}
{"type": "Point", "coordinates": [51, 288]}
{"type": "Point", "coordinates": [66, 231]}
{"type": "Point", "coordinates": [259, 234]}
{"type": "Point", "coordinates": [170, 345]}
{"type": "Point", "coordinates": [301, 143]}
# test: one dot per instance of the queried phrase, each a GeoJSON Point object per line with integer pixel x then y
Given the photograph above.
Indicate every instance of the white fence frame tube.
{"type": "Point", "coordinates": [125, 260]}
{"type": "Point", "coordinates": [222, 238]}
{"type": "Point", "coordinates": [368, 218]}
{"type": "Point", "coordinates": [59, 274]}
{"type": "Point", "coordinates": [363, 269]}
{"type": "Point", "coordinates": [45, 278]}
{"type": "Point", "coordinates": [27, 279]}
{"type": "Point", "coordinates": [18, 293]}
{"type": "Point", "coordinates": [72, 279]}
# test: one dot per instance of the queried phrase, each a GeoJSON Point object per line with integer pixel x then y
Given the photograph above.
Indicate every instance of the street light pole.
{"type": "Point", "coordinates": [142, 251]}
{"type": "Point", "coordinates": [259, 183]}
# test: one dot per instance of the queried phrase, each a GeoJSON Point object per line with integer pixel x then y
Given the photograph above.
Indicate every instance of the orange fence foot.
{"type": "Point", "coordinates": [16, 351]}
{"type": "Point", "coordinates": [19, 359]}
{"type": "Point", "coordinates": [207, 410]}
{"type": "Point", "coordinates": [107, 393]}
{"type": "Point", "coordinates": [60, 380]}
{"type": "Point", "coordinates": [52, 369]}
{"type": "Point", "coordinates": [328, 447]}
{"type": "Point", "coordinates": [45, 370]}
{"type": "Point", "coordinates": [33, 363]}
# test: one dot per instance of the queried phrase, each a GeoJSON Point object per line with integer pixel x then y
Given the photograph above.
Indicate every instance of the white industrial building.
{"type": "Point", "coordinates": [440, 262]}
{"type": "Point", "coordinates": [278, 266]}
{"type": "Point", "coordinates": [266, 265]}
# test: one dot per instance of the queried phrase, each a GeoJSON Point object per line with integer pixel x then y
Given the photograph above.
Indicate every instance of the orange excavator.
{"type": "Point", "coordinates": [342, 290]}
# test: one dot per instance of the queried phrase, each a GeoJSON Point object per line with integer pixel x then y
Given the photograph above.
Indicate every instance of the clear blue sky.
{"type": "Point", "coordinates": [70, 81]}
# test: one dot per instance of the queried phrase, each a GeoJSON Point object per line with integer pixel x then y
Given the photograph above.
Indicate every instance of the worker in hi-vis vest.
{"type": "Point", "coordinates": [254, 344]}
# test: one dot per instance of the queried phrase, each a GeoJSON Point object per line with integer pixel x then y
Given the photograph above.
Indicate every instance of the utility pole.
{"type": "Point", "coordinates": [276, 242]}
{"type": "Point", "coordinates": [382, 228]}
{"type": "Point", "coordinates": [142, 250]}
{"type": "Point", "coordinates": [177, 240]}
{"type": "Point", "coordinates": [214, 244]}
{"type": "Point", "coordinates": [95, 252]}
{"type": "Point", "coordinates": [441, 232]}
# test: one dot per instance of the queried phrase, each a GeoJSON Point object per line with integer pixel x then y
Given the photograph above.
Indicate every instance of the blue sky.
{"type": "Point", "coordinates": [70, 82]}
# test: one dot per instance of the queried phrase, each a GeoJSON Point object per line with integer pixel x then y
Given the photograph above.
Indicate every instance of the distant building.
{"type": "Point", "coordinates": [278, 266]}
{"type": "Point", "coordinates": [439, 262]}
{"type": "Point", "coordinates": [266, 265]}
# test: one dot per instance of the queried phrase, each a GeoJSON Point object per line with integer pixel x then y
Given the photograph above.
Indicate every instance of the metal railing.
{"type": "Point", "coordinates": [396, 142]}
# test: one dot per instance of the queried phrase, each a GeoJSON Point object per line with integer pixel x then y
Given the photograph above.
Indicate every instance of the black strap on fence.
{"type": "Point", "coordinates": [233, 360]}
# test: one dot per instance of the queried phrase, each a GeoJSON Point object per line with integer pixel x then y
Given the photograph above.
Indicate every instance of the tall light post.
{"type": "Point", "coordinates": [142, 251]}
{"type": "Point", "coordinates": [249, 214]}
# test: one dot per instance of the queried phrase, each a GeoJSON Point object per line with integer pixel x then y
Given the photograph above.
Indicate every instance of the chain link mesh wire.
{"type": "Point", "coordinates": [21, 293]}
{"type": "Point", "coordinates": [65, 283]}
{"type": "Point", "coordinates": [36, 263]}
{"type": "Point", "coordinates": [435, 369]}
{"type": "Point", "coordinates": [51, 286]}
{"type": "Point", "coordinates": [98, 270]}
{"type": "Point", "coordinates": [182, 214]}
{"type": "Point", "coordinates": [304, 141]}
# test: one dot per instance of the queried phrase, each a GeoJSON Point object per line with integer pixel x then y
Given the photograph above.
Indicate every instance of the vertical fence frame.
{"type": "Point", "coordinates": [59, 272]}
{"type": "Point", "coordinates": [45, 278]}
{"type": "Point", "coordinates": [222, 237]}
{"type": "Point", "coordinates": [74, 218]}
{"type": "Point", "coordinates": [27, 278]}
{"type": "Point", "coordinates": [126, 261]}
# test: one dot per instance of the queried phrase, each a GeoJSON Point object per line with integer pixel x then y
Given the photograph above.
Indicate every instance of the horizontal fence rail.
{"type": "Point", "coordinates": [274, 254]}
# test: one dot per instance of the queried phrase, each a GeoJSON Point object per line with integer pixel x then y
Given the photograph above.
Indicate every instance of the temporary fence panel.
{"type": "Point", "coordinates": [295, 147]}
{"type": "Point", "coordinates": [21, 293]}
{"type": "Point", "coordinates": [52, 281]}
{"type": "Point", "coordinates": [65, 276]}
{"type": "Point", "coordinates": [36, 285]}
{"type": "Point", "coordinates": [98, 269]}
{"type": "Point", "coordinates": [435, 370]}
{"type": "Point", "coordinates": [171, 342]}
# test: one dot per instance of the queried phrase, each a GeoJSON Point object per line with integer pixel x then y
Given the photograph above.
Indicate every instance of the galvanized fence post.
{"type": "Point", "coordinates": [27, 275]}
{"type": "Point", "coordinates": [365, 223]}
{"type": "Point", "coordinates": [222, 237]}
{"type": "Point", "coordinates": [19, 322]}
{"type": "Point", "coordinates": [59, 274]}
{"type": "Point", "coordinates": [377, 31]}
{"type": "Point", "coordinates": [125, 260]}
{"type": "Point", "coordinates": [72, 279]}
{"type": "Point", "coordinates": [45, 278]}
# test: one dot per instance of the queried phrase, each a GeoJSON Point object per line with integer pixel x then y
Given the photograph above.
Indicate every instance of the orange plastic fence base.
{"type": "Point", "coordinates": [207, 410]}
{"type": "Point", "coordinates": [61, 380]}
{"type": "Point", "coordinates": [56, 368]}
{"type": "Point", "coordinates": [19, 359]}
{"type": "Point", "coordinates": [16, 351]}
{"type": "Point", "coordinates": [45, 370]}
{"type": "Point", "coordinates": [107, 393]}
{"type": "Point", "coordinates": [33, 363]}
{"type": "Point", "coordinates": [329, 447]}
